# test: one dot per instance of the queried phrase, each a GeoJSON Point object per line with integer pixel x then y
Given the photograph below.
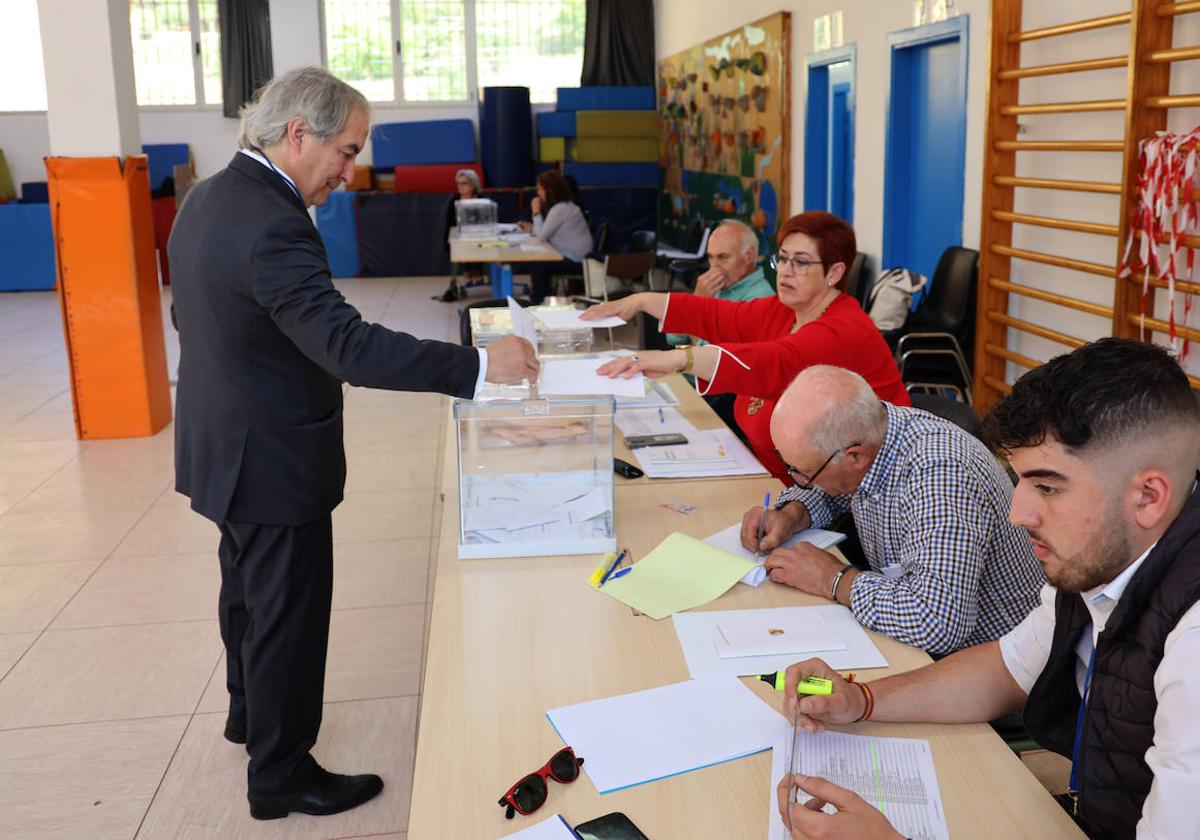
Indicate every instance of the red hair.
{"type": "Point", "coordinates": [835, 239]}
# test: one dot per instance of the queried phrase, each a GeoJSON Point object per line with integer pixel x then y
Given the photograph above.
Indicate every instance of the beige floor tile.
{"type": "Point", "coordinates": [203, 794]}
{"type": "Point", "coordinates": [170, 527]}
{"type": "Point", "coordinates": [384, 472]}
{"type": "Point", "coordinates": [379, 574]}
{"type": "Point", "coordinates": [16, 486]}
{"type": "Point", "coordinates": [110, 673]}
{"type": "Point", "coordinates": [407, 433]}
{"type": "Point", "coordinates": [12, 646]}
{"type": "Point", "coordinates": [365, 517]}
{"type": "Point", "coordinates": [39, 425]}
{"type": "Point", "coordinates": [37, 456]}
{"type": "Point", "coordinates": [143, 590]}
{"type": "Point", "coordinates": [374, 652]}
{"type": "Point", "coordinates": [92, 780]}
{"type": "Point", "coordinates": [156, 452]}
{"type": "Point", "coordinates": [32, 594]}
{"type": "Point", "coordinates": [47, 536]}
{"type": "Point", "coordinates": [79, 487]}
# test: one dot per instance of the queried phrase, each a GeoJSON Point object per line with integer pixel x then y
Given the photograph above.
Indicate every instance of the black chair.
{"type": "Point", "coordinates": [858, 283]}
{"type": "Point", "coordinates": [938, 343]}
{"type": "Point", "coordinates": [957, 412]}
{"type": "Point", "coordinates": [464, 315]}
{"type": "Point", "coordinates": [642, 240]}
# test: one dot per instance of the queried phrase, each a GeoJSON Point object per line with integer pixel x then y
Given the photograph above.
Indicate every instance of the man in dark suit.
{"type": "Point", "coordinates": [265, 344]}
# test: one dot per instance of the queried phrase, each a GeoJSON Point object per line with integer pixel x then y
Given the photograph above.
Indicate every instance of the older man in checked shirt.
{"type": "Point", "coordinates": [947, 569]}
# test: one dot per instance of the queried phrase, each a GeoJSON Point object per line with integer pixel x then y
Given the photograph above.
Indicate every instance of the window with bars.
{"type": "Point", "coordinates": [426, 51]}
{"type": "Point", "coordinates": [176, 51]}
{"type": "Point", "coordinates": [22, 74]}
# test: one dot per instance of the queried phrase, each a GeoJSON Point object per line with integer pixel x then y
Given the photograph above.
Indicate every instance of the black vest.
{"type": "Point", "coordinates": [1119, 724]}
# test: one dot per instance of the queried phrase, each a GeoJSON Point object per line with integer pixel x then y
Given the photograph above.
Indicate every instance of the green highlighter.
{"type": "Point", "coordinates": [808, 685]}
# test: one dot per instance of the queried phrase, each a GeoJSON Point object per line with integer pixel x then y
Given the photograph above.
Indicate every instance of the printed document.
{"type": "Point", "coordinates": [731, 540]}
{"type": "Point", "coordinates": [564, 377]}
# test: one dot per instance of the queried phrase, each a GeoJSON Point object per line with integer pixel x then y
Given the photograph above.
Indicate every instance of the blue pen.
{"type": "Point", "coordinates": [613, 567]}
{"type": "Point", "coordinates": [661, 418]}
{"type": "Point", "coordinates": [624, 571]}
{"type": "Point", "coordinates": [762, 519]}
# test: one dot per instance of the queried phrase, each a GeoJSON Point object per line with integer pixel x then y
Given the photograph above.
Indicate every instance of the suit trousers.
{"type": "Point", "coordinates": [276, 592]}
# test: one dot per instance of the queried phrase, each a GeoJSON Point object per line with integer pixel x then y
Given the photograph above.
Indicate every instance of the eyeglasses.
{"type": "Point", "coordinates": [530, 793]}
{"type": "Point", "coordinates": [778, 261]}
{"type": "Point", "coordinates": [807, 484]}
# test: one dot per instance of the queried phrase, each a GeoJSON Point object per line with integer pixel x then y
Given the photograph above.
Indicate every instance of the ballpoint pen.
{"type": "Point", "coordinates": [661, 418]}
{"type": "Point", "coordinates": [616, 563]}
{"type": "Point", "coordinates": [762, 521]}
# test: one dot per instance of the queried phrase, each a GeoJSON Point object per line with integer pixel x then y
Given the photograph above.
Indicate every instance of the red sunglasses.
{"type": "Point", "coordinates": [530, 793]}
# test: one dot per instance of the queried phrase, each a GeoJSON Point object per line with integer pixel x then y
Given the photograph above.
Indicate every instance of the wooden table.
{"type": "Point", "coordinates": [499, 257]}
{"type": "Point", "coordinates": [510, 639]}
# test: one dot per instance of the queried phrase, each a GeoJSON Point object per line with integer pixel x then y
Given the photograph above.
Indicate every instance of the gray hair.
{"type": "Point", "coordinates": [314, 94]}
{"type": "Point", "coordinates": [472, 176]}
{"type": "Point", "coordinates": [855, 414]}
{"type": "Point", "coordinates": [745, 234]}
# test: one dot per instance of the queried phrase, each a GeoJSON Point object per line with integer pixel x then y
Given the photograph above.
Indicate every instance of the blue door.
{"type": "Point", "coordinates": [829, 133]}
{"type": "Point", "coordinates": [926, 144]}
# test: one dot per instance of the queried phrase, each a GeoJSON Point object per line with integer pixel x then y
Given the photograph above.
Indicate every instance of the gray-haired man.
{"type": "Point", "coordinates": [930, 503]}
{"type": "Point", "coordinates": [266, 342]}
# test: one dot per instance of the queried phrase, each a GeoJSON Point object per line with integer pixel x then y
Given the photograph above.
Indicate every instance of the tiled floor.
{"type": "Point", "coordinates": [112, 690]}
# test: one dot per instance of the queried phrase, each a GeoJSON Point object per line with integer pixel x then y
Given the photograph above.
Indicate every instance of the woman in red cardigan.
{"type": "Point", "coordinates": [758, 346]}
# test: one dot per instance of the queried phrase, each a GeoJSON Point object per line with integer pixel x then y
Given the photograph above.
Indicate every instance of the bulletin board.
{"type": "Point", "coordinates": [725, 141]}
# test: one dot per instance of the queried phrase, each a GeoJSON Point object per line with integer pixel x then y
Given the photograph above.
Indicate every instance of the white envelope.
{"type": "Point", "coordinates": [748, 634]}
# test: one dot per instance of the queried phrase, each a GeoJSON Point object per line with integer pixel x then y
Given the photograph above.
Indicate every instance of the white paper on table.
{"type": "Point", "coordinates": [522, 323]}
{"type": "Point", "coordinates": [568, 319]}
{"type": "Point", "coordinates": [635, 738]}
{"type": "Point", "coordinates": [578, 376]}
{"type": "Point", "coordinates": [650, 421]}
{"type": "Point", "coordinates": [590, 505]}
{"type": "Point", "coordinates": [776, 830]}
{"type": "Point", "coordinates": [731, 540]}
{"type": "Point", "coordinates": [694, 631]}
{"type": "Point", "coordinates": [554, 828]}
{"type": "Point", "coordinates": [533, 247]}
{"type": "Point", "coordinates": [656, 394]}
{"type": "Point", "coordinates": [509, 517]}
{"type": "Point", "coordinates": [895, 775]}
{"type": "Point", "coordinates": [754, 634]}
{"type": "Point", "coordinates": [708, 452]}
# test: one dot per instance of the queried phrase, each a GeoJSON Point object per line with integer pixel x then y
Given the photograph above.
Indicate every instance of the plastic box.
{"type": "Point", "coordinates": [476, 217]}
{"type": "Point", "coordinates": [491, 323]}
{"type": "Point", "coordinates": [535, 477]}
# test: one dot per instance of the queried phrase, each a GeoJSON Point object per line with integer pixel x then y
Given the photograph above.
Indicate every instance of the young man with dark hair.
{"type": "Point", "coordinates": [1105, 442]}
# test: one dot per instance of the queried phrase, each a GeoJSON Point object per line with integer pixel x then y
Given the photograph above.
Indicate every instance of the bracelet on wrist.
{"type": "Point", "coordinates": [837, 579]}
{"type": "Point", "coordinates": [691, 359]}
{"type": "Point", "coordinates": [868, 699]}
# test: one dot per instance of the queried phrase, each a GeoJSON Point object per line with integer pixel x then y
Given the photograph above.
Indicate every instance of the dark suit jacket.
{"type": "Point", "coordinates": [265, 343]}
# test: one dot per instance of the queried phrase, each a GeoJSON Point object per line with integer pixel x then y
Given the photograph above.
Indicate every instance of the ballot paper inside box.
{"type": "Point", "coordinates": [535, 477]}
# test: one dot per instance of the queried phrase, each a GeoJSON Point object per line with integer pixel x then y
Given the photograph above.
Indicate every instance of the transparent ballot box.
{"type": "Point", "coordinates": [535, 477]}
{"type": "Point", "coordinates": [476, 217]}
{"type": "Point", "coordinates": [490, 323]}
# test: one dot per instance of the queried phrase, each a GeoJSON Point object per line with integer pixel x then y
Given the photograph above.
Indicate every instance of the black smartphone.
{"type": "Point", "coordinates": [614, 826]}
{"type": "Point", "coordinates": [626, 469]}
{"type": "Point", "coordinates": [638, 441]}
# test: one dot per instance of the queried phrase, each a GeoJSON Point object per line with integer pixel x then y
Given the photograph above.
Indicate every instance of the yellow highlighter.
{"type": "Point", "coordinates": [808, 685]}
{"type": "Point", "coordinates": [598, 575]}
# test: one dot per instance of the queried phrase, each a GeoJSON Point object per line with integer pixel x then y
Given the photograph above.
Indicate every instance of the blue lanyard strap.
{"type": "Point", "coordinates": [1073, 785]}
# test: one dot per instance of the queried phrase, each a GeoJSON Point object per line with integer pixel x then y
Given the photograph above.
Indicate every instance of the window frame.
{"type": "Point", "coordinates": [197, 71]}
{"type": "Point", "coordinates": [399, 100]}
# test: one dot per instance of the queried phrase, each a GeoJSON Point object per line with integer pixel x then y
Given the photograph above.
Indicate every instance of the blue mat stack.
{"type": "Point", "coordinates": [506, 136]}
{"type": "Point", "coordinates": [604, 136]}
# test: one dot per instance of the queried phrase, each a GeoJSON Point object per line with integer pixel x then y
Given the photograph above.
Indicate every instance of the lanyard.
{"type": "Point", "coordinates": [285, 179]}
{"type": "Point", "coordinates": [1073, 785]}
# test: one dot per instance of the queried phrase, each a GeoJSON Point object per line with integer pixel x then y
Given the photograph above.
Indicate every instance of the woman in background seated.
{"type": "Point", "coordinates": [466, 181]}
{"type": "Point", "coordinates": [558, 222]}
{"type": "Point", "coordinates": [758, 346]}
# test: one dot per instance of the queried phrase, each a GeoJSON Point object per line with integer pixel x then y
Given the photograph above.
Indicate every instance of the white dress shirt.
{"type": "Point", "coordinates": [1174, 757]}
{"type": "Point", "coordinates": [253, 155]}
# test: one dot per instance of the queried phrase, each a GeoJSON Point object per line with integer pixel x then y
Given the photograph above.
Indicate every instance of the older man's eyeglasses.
{"type": "Point", "coordinates": [799, 477]}
{"type": "Point", "coordinates": [778, 261]}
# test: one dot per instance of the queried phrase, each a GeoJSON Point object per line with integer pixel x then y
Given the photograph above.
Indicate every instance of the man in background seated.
{"type": "Point", "coordinates": [947, 570]}
{"type": "Point", "coordinates": [1106, 442]}
{"type": "Point", "coordinates": [733, 274]}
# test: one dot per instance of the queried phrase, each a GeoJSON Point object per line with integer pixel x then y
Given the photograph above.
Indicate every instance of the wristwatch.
{"type": "Point", "coordinates": [691, 359]}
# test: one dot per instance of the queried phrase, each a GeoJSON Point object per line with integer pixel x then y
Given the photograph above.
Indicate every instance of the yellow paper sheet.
{"type": "Point", "coordinates": [682, 573]}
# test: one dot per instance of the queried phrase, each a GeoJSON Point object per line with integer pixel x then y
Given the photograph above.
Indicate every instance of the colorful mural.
{"type": "Point", "coordinates": [725, 131]}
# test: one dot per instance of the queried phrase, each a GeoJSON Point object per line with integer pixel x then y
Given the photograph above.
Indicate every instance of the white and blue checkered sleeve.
{"type": "Point", "coordinates": [822, 508]}
{"type": "Point", "coordinates": [941, 531]}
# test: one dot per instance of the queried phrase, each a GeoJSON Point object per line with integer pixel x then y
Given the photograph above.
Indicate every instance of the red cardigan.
{"type": "Point", "coordinates": [758, 334]}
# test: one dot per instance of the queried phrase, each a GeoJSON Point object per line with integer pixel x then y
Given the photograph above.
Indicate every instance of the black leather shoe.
{"type": "Point", "coordinates": [235, 731]}
{"type": "Point", "coordinates": [320, 793]}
